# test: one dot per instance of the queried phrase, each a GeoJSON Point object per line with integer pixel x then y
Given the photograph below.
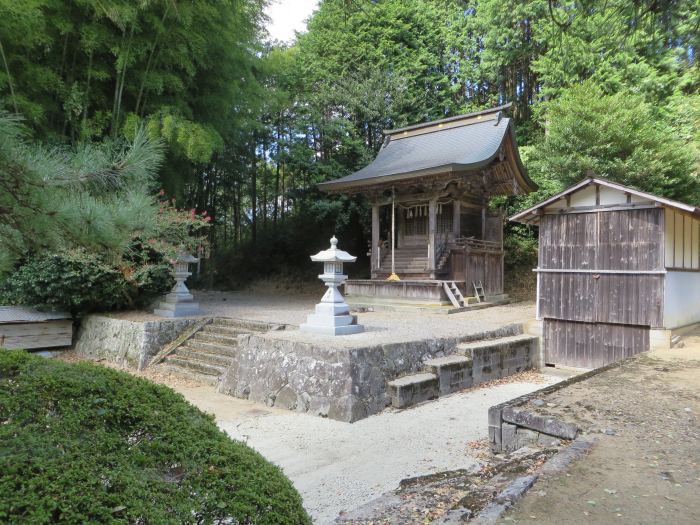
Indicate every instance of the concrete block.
{"type": "Point", "coordinates": [454, 372]}
{"type": "Point", "coordinates": [525, 437]}
{"type": "Point", "coordinates": [508, 437]}
{"type": "Point", "coordinates": [495, 428]}
{"type": "Point", "coordinates": [659, 339]}
{"type": "Point", "coordinates": [412, 389]}
{"type": "Point", "coordinates": [546, 425]}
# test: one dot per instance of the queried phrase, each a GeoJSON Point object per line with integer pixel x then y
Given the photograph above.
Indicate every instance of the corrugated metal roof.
{"type": "Point", "coordinates": [468, 146]}
{"type": "Point", "coordinates": [21, 314]}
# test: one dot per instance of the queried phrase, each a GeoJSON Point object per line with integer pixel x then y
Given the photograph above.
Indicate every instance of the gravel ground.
{"type": "Point", "coordinates": [339, 466]}
{"type": "Point", "coordinates": [380, 326]}
{"type": "Point", "coordinates": [645, 465]}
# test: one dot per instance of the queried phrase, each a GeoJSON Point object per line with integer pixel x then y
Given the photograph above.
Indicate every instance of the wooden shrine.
{"type": "Point", "coordinates": [430, 187]}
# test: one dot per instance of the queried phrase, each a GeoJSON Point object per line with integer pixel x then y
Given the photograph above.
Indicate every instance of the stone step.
{"type": "Point", "coordinates": [245, 324]}
{"type": "Point", "coordinates": [194, 365]}
{"type": "Point", "coordinates": [185, 352]}
{"type": "Point", "coordinates": [211, 348]}
{"type": "Point", "coordinates": [496, 358]}
{"type": "Point", "coordinates": [214, 338]}
{"type": "Point", "coordinates": [191, 375]}
{"type": "Point", "coordinates": [454, 372]}
{"type": "Point", "coordinates": [467, 349]}
{"type": "Point", "coordinates": [413, 389]}
{"type": "Point", "coordinates": [224, 330]}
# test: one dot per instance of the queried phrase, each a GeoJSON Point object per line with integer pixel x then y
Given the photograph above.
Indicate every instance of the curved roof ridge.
{"type": "Point", "coordinates": [447, 120]}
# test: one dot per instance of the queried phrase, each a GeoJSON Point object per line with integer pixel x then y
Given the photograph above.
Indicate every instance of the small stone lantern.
{"type": "Point", "coordinates": [179, 302]}
{"type": "Point", "coordinates": [332, 315]}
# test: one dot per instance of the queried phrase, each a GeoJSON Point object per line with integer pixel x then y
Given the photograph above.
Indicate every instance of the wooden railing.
{"type": "Point", "coordinates": [478, 244]}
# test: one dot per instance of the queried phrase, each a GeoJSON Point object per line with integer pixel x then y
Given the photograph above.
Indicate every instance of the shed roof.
{"type": "Point", "coordinates": [453, 144]}
{"type": "Point", "coordinates": [531, 216]}
{"type": "Point", "coordinates": [21, 314]}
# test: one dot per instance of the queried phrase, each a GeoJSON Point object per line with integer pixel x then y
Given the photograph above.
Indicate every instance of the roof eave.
{"type": "Point", "coordinates": [397, 177]}
{"type": "Point", "coordinates": [530, 215]}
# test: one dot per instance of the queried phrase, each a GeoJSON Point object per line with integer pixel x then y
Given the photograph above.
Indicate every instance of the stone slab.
{"type": "Point", "coordinates": [453, 371]}
{"type": "Point", "coordinates": [546, 425]}
{"type": "Point", "coordinates": [413, 389]}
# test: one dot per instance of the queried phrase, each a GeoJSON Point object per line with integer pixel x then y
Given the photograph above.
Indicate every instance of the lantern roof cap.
{"type": "Point", "coordinates": [186, 258]}
{"type": "Point", "coordinates": [333, 254]}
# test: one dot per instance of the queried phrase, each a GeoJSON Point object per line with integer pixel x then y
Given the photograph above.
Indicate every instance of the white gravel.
{"type": "Point", "coordinates": [380, 326]}
{"type": "Point", "coordinates": [339, 466]}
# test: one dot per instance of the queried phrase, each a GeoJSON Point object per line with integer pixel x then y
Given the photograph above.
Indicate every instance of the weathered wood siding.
{"type": "Point", "coordinates": [601, 284]}
{"type": "Point", "coordinates": [611, 240]}
{"type": "Point", "coordinates": [575, 246]}
{"type": "Point", "coordinates": [29, 335]}
{"type": "Point", "coordinates": [603, 298]}
{"type": "Point", "coordinates": [591, 345]}
{"type": "Point", "coordinates": [486, 267]}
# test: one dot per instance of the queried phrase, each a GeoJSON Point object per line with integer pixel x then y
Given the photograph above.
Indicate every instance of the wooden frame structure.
{"type": "Point", "coordinates": [616, 267]}
{"type": "Point", "coordinates": [429, 189]}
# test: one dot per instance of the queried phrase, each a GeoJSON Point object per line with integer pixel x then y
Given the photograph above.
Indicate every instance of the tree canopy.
{"type": "Point", "coordinates": [250, 126]}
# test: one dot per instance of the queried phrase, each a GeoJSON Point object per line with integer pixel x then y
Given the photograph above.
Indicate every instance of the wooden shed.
{"type": "Point", "coordinates": [617, 268]}
{"type": "Point", "coordinates": [29, 329]}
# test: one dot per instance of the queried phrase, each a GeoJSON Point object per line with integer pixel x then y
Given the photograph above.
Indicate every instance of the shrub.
{"type": "Point", "coordinates": [80, 282]}
{"type": "Point", "coordinates": [152, 280]}
{"type": "Point", "coordinates": [86, 444]}
{"type": "Point", "coordinates": [75, 281]}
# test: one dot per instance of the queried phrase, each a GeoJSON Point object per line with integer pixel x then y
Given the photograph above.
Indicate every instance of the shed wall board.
{"type": "Point", "coordinates": [584, 197]}
{"type": "Point", "coordinates": [681, 241]}
{"type": "Point", "coordinates": [43, 334]}
{"type": "Point", "coordinates": [681, 299]}
{"type": "Point", "coordinates": [611, 196]}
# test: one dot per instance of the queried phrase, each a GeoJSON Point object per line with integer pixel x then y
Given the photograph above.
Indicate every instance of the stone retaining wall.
{"type": "Point", "coordinates": [130, 344]}
{"type": "Point", "coordinates": [339, 383]}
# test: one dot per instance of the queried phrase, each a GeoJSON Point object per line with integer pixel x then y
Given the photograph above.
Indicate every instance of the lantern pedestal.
{"type": "Point", "coordinates": [332, 314]}
{"type": "Point", "coordinates": [179, 302]}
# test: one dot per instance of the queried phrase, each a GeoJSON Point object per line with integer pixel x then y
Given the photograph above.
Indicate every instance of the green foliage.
{"type": "Point", "coordinates": [73, 281]}
{"type": "Point", "coordinates": [87, 444]}
{"type": "Point", "coordinates": [620, 137]}
{"type": "Point", "coordinates": [79, 282]}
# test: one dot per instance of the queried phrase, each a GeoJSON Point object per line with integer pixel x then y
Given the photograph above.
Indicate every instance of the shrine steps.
{"type": "Point", "coordinates": [471, 363]}
{"type": "Point", "coordinates": [207, 354]}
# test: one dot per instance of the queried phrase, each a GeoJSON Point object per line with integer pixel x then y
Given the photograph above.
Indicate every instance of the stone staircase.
{"type": "Point", "coordinates": [471, 364]}
{"type": "Point", "coordinates": [207, 354]}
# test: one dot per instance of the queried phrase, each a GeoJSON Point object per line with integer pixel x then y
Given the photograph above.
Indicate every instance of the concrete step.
{"type": "Point", "coordinates": [468, 348]}
{"type": "Point", "coordinates": [224, 330]}
{"type": "Point", "coordinates": [191, 375]}
{"type": "Point", "coordinates": [245, 324]}
{"type": "Point", "coordinates": [454, 372]}
{"type": "Point", "coordinates": [215, 338]}
{"type": "Point", "coordinates": [413, 389]}
{"type": "Point", "coordinates": [211, 348]}
{"type": "Point", "coordinates": [185, 352]}
{"type": "Point", "coordinates": [193, 365]}
{"type": "Point", "coordinates": [496, 358]}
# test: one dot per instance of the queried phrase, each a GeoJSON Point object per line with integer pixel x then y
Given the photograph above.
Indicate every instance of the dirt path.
{"type": "Point", "coordinates": [645, 466]}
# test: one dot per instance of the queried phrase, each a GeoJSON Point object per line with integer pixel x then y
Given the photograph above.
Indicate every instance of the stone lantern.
{"type": "Point", "coordinates": [332, 315]}
{"type": "Point", "coordinates": [179, 302]}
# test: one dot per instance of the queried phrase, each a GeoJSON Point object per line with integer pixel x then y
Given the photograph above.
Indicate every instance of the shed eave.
{"type": "Point", "coordinates": [532, 214]}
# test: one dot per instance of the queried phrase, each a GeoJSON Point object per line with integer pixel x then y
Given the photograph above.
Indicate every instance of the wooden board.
{"type": "Point", "coordinates": [612, 240]}
{"type": "Point", "coordinates": [591, 345]}
{"type": "Point", "coordinates": [606, 298]}
{"type": "Point", "coordinates": [44, 334]}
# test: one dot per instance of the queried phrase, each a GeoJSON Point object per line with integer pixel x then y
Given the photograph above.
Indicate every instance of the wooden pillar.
{"type": "Point", "coordinates": [375, 240]}
{"type": "Point", "coordinates": [432, 235]}
{"type": "Point", "coordinates": [456, 219]}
